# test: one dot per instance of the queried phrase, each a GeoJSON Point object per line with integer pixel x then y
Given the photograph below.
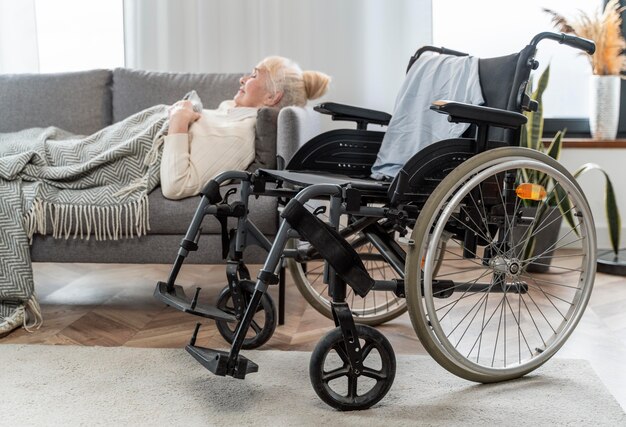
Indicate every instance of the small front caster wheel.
{"type": "Point", "coordinates": [337, 383]}
{"type": "Point", "coordinates": [263, 323]}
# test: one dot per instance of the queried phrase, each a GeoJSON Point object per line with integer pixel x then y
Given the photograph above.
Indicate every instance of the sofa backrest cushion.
{"type": "Point", "coordinates": [135, 90]}
{"type": "Point", "coordinates": [79, 102]}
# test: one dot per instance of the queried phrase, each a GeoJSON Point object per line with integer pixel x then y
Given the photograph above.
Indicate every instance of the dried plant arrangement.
{"type": "Point", "coordinates": [604, 28]}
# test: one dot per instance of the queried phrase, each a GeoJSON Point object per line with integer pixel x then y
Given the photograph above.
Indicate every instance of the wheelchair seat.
{"type": "Point", "coordinates": [305, 179]}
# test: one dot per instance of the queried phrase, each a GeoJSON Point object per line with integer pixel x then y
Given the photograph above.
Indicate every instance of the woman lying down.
{"type": "Point", "coordinates": [201, 145]}
{"type": "Point", "coordinates": [97, 185]}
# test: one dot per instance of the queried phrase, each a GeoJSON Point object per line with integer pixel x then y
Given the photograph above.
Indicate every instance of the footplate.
{"type": "Point", "coordinates": [216, 361]}
{"type": "Point", "coordinates": [178, 300]}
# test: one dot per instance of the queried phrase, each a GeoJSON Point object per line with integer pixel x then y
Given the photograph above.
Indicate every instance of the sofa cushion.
{"type": "Point", "coordinates": [151, 249]}
{"type": "Point", "coordinates": [79, 102]}
{"type": "Point", "coordinates": [136, 90]}
{"type": "Point", "coordinates": [174, 216]}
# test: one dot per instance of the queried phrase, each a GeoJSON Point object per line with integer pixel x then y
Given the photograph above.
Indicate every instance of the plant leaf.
{"type": "Point", "coordinates": [536, 129]}
{"type": "Point", "coordinates": [562, 201]}
{"type": "Point", "coordinates": [612, 211]}
{"type": "Point", "coordinates": [554, 150]}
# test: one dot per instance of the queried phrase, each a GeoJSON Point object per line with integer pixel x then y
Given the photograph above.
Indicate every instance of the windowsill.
{"type": "Point", "coordinates": [590, 143]}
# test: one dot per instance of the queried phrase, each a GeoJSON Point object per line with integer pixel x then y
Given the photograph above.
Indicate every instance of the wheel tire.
{"type": "Point", "coordinates": [333, 341]}
{"type": "Point", "coordinates": [261, 333]}
{"type": "Point", "coordinates": [421, 304]}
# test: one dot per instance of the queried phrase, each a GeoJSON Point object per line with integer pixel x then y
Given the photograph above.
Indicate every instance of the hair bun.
{"type": "Point", "coordinates": [315, 83]}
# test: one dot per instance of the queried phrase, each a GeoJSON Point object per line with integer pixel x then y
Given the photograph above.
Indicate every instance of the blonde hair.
{"type": "Point", "coordinates": [296, 85]}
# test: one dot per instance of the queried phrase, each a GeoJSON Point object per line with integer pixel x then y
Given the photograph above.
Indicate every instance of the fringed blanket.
{"type": "Point", "coordinates": [73, 186]}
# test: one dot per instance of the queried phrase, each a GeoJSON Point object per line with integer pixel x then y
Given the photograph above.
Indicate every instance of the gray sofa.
{"type": "Point", "coordinates": [85, 102]}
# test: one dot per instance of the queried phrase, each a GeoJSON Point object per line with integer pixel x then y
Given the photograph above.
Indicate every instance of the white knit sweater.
{"type": "Point", "coordinates": [219, 141]}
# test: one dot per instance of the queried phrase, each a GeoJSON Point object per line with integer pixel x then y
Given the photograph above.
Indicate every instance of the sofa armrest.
{"type": "Point", "coordinates": [265, 140]}
{"type": "Point", "coordinates": [296, 125]}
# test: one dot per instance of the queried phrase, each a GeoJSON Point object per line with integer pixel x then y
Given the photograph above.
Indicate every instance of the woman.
{"type": "Point", "coordinates": [199, 146]}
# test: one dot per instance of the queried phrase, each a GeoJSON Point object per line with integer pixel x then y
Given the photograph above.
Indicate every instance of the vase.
{"type": "Point", "coordinates": [604, 95]}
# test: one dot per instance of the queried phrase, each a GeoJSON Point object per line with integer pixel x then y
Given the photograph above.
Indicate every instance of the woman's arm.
{"type": "Point", "coordinates": [181, 117]}
{"type": "Point", "coordinates": [175, 163]}
{"type": "Point", "coordinates": [187, 165]}
{"type": "Point", "coordinates": [213, 145]}
{"type": "Point", "coordinates": [175, 166]}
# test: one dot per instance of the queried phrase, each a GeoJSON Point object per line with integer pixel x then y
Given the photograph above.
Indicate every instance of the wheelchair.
{"type": "Point", "coordinates": [457, 230]}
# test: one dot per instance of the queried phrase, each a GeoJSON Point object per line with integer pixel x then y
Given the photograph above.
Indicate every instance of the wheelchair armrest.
{"type": "Point", "coordinates": [460, 112]}
{"type": "Point", "coordinates": [362, 116]}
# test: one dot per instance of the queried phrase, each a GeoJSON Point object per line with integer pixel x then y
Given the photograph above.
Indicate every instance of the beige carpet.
{"type": "Point", "coordinates": [67, 385]}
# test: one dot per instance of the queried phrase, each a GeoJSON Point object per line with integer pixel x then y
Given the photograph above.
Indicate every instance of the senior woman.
{"type": "Point", "coordinates": [201, 145]}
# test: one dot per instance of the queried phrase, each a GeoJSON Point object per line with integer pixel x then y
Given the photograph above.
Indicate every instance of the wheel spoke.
{"type": "Point", "coordinates": [255, 326]}
{"type": "Point", "coordinates": [341, 351]}
{"type": "Point", "coordinates": [366, 349]}
{"type": "Point", "coordinates": [335, 373]}
{"type": "Point", "coordinates": [352, 386]}
{"type": "Point", "coordinates": [374, 374]}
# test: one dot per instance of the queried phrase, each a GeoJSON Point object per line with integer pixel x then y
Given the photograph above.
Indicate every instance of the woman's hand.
{"type": "Point", "coordinates": [182, 116]}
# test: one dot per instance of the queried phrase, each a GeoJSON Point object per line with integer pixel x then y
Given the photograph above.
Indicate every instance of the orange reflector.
{"type": "Point", "coordinates": [529, 191]}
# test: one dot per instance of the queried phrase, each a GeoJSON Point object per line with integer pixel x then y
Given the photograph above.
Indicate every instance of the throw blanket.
{"type": "Point", "coordinates": [73, 186]}
{"type": "Point", "coordinates": [413, 125]}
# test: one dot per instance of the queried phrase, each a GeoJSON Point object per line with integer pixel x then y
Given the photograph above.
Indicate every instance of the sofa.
{"type": "Point", "coordinates": [87, 101]}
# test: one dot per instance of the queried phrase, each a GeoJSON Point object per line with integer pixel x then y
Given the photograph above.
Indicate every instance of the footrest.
{"type": "Point", "coordinates": [216, 361]}
{"type": "Point", "coordinates": [178, 300]}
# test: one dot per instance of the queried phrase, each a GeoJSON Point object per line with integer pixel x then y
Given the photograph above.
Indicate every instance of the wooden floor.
{"type": "Point", "coordinates": [112, 305]}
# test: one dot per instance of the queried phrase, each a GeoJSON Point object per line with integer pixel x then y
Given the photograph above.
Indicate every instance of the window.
{"type": "Point", "coordinates": [494, 27]}
{"type": "Point", "coordinates": [78, 35]}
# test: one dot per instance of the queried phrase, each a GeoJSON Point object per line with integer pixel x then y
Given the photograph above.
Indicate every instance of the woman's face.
{"type": "Point", "coordinates": [253, 90]}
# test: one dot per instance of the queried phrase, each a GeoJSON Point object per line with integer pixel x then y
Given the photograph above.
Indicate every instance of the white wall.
{"type": "Point", "coordinates": [487, 28]}
{"type": "Point", "coordinates": [49, 36]}
{"type": "Point", "coordinates": [363, 44]}
{"type": "Point", "coordinates": [593, 184]}
{"type": "Point", "coordinates": [18, 37]}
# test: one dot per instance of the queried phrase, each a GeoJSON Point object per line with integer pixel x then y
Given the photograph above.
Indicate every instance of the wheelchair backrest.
{"type": "Point", "coordinates": [503, 79]}
{"type": "Point", "coordinates": [503, 83]}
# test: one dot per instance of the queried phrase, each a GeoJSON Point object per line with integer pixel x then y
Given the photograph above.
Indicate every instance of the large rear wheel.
{"type": "Point", "coordinates": [375, 308]}
{"type": "Point", "coordinates": [494, 305]}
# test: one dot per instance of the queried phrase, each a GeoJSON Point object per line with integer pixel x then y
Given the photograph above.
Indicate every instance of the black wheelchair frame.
{"type": "Point", "coordinates": [377, 211]}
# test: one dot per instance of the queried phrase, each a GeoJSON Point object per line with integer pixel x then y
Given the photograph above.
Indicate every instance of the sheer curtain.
{"type": "Point", "coordinates": [363, 44]}
{"type": "Point", "coordinates": [18, 37]}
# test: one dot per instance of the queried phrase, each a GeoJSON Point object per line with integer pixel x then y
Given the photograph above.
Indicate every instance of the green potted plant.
{"type": "Point", "coordinates": [532, 137]}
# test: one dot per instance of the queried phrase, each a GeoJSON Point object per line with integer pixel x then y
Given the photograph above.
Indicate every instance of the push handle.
{"type": "Point", "coordinates": [579, 43]}
{"type": "Point", "coordinates": [573, 41]}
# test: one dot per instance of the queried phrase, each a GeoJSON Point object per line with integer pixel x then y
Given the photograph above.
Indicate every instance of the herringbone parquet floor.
{"type": "Point", "coordinates": [112, 305]}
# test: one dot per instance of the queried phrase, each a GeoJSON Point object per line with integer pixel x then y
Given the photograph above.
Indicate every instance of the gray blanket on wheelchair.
{"type": "Point", "coordinates": [73, 186]}
{"type": "Point", "coordinates": [413, 125]}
